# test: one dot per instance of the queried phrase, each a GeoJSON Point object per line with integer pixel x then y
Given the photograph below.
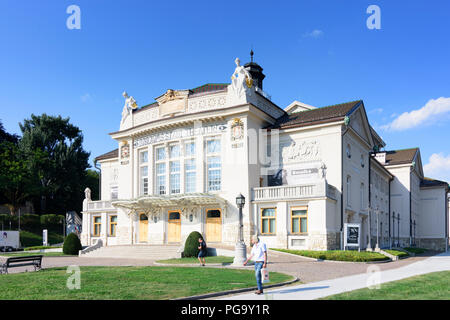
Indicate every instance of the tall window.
{"type": "Point", "coordinates": [174, 154]}
{"type": "Point", "coordinates": [143, 172]}
{"type": "Point", "coordinates": [189, 167]}
{"type": "Point", "coordinates": [214, 164]}
{"type": "Point", "coordinates": [112, 225]}
{"type": "Point", "coordinates": [160, 170]}
{"type": "Point", "coordinates": [268, 220]}
{"type": "Point", "coordinates": [97, 226]}
{"type": "Point", "coordinates": [299, 220]}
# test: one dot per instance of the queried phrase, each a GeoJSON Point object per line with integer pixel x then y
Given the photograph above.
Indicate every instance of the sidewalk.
{"type": "Point", "coordinates": [326, 288]}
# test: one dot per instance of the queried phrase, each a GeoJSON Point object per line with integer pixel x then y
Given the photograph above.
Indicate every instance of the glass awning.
{"type": "Point", "coordinates": [160, 201]}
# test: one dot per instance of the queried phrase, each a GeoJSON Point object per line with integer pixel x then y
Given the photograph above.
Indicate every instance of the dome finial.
{"type": "Point", "coordinates": [251, 55]}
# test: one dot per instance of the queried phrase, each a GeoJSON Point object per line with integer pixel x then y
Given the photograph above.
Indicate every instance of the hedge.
{"type": "Point", "coordinates": [72, 244]}
{"type": "Point", "coordinates": [191, 244]}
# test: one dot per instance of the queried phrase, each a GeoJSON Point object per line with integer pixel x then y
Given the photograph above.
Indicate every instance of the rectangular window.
{"type": "Point", "coordinates": [214, 165]}
{"type": "Point", "coordinates": [190, 177]}
{"type": "Point", "coordinates": [112, 225]}
{"type": "Point", "coordinates": [160, 154]}
{"type": "Point", "coordinates": [189, 149]}
{"type": "Point", "coordinates": [174, 151]}
{"type": "Point", "coordinates": [299, 220]}
{"type": "Point", "coordinates": [97, 226]}
{"type": "Point", "coordinates": [143, 173]}
{"type": "Point", "coordinates": [161, 178]}
{"type": "Point", "coordinates": [268, 220]}
{"type": "Point", "coordinates": [174, 176]}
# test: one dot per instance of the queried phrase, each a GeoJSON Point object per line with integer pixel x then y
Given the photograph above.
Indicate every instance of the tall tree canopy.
{"type": "Point", "coordinates": [56, 160]}
{"type": "Point", "coordinates": [14, 175]}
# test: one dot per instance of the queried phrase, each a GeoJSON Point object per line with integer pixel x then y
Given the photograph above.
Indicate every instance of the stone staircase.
{"type": "Point", "coordinates": [151, 252]}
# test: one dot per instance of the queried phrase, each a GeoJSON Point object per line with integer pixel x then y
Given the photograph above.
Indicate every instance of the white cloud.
{"type": "Point", "coordinates": [432, 111]}
{"type": "Point", "coordinates": [85, 97]}
{"type": "Point", "coordinates": [438, 167]}
{"type": "Point", "coordinates": [313, 34]}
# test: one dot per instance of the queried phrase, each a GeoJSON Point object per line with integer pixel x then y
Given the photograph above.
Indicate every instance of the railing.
{"type": "Point", "coordinates": [313, 190]}
{"type": "Point", "coordinates": [99, 205]}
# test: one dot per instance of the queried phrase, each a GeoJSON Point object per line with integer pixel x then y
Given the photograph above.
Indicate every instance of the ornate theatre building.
{"type": "Point", "coordinates": [305, 173]}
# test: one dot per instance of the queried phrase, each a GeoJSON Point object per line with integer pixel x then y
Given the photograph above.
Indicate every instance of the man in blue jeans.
{"type": "Point", "coordinates": [259, 255]}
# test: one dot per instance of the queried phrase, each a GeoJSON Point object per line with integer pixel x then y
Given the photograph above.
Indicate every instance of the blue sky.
{"type": "Point", "coordinates": [317, 52]}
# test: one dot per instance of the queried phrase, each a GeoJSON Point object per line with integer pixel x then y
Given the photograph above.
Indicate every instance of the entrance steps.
{"type": "Point", "coordinates": [140, 251]}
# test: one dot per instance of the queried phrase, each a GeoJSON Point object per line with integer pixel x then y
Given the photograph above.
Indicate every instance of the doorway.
{"type": "Point", "coordinates": [213, 225]}
{"type": "Point", "coordinates": [174, 227]}
{"type": "Point", "coordinates": [143, 227]}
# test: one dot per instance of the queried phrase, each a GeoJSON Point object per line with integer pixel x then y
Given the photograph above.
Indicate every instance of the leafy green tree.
{"type": "Point", "coordinates": [14, 182]}
{"type": "Point", "coordinates": [92, 181]}
{"type": "Point", "coordinates": [57, 162]}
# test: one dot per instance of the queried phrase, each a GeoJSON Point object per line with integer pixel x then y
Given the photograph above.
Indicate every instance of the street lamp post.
{"type": "Point", "coordinates": [369, 226]}
{"type": "Point", "coordinates": [240, 250]}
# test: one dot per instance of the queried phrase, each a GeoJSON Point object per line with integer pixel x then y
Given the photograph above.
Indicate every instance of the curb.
{"type": "Point", "coordinates": [190, 264]}
{"type": "Point", "coordinates": [224, 293]}
{"type": "Point", "coordinates": [333, 261]}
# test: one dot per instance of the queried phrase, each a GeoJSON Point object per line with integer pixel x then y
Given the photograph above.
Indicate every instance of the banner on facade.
{"type": "Point", "coordinates": [352, 235]}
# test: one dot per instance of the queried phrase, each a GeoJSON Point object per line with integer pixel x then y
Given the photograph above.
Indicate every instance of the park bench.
{"type": "Point", "coordinates": [14, 262]}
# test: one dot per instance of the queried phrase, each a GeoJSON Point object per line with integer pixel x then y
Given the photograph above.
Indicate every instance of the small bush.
{"type": "Point", "coordinates": [72, 244]}
{"type": "Point", "coordinates": [191, 245]}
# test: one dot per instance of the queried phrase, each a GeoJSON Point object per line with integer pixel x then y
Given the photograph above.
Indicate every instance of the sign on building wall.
{"type": "Point", "coordinates": [352, 235]}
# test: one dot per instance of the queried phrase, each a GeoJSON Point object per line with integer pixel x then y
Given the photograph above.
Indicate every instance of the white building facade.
{"type": "Point", "coordinates": [304, 172]}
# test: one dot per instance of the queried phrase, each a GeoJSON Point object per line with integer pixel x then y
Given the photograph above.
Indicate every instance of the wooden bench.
{"type": "Point", "coordinates": [13, 262]}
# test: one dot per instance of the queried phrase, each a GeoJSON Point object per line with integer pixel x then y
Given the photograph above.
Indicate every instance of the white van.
{"type": "Point", "coordinates": [9, 241]}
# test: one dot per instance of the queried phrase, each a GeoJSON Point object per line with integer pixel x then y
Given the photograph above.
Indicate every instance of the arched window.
{"type": "Point", "coordinates": [348, 150]}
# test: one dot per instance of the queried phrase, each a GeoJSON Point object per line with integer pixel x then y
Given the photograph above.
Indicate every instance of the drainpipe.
{"type": "Point", "coordinates": [342, 186]}
{"type": "Point", "coordinates": [99, 180]}
{"type": "Point", "coordinates": [389, 212]}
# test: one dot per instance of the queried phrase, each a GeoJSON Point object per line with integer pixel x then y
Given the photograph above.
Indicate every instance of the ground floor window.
{"type": "Point", "coordinates": [299, 220]}
{"type": "Point", "coordinates": [97, 226]}
{"type": "Point", "coordinates": [268, 216]}
{"type": "Point", "coordinates": [112, 225]}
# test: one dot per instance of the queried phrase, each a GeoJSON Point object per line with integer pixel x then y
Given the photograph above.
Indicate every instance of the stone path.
{"type": "Point", "coordinates": [329, 287]}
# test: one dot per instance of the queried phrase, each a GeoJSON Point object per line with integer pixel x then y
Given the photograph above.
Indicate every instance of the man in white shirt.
{"type": "Point", "coordinates": [259, 255]}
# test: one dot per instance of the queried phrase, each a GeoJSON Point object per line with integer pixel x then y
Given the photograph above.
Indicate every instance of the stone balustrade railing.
{"type": "Point", "coordinates": [302, 191]}
{"type": "Point", "coordinates": [99, 205]}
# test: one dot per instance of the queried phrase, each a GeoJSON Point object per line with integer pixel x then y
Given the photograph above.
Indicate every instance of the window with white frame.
{"type": "Point", "coordinates": [143, 172]}
{"type": "Point", "coordinates": [174, 168]}
{"type": "Point", "coordinates": [189, 167]}
{"type": "Point", "coordinates": [214, 164]}
{"type": "Point", "coordinates": [160, 164]}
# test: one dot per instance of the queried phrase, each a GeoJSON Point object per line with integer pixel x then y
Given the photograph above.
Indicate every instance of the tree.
{"type": "Point", "coordinates": [14, 184]}
{"type": "Point", "coordinates": [57, 162]}
{"type": "Point", "coordinates": [92, 182]}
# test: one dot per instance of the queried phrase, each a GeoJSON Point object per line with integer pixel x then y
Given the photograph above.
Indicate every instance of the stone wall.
{"type": "Point", "coordinates": [437, 244]}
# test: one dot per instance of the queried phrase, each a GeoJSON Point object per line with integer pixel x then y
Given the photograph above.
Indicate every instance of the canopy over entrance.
{"type": "Point", "coordinates": [148, 204]}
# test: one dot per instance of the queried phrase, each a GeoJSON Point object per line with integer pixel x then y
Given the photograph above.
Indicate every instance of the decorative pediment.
{"type": "Point", "coordinates": [172, 102]}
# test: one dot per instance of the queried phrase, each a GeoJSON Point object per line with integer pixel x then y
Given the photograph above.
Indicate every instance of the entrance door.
{"type": "Point", "coordinates": [174, 227]}
{"type": "Point", "coordinates": [213, 225]}
{"type": "Point", "coordinates": [143, 228]}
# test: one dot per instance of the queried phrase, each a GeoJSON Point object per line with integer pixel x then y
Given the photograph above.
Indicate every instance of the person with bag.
{"type": "Point", "coordinates": [259, 255]}
{"type": "Point", "coordinates": [202, 252]}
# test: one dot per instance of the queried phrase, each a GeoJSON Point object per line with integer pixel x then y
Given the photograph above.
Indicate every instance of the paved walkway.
{"type": "Point", "coordinates": [315, 290]}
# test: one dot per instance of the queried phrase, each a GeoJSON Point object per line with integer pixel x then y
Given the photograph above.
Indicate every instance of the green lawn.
{"type": "Point", "coordinates": [431, 286]}
{"type": "Point", "coordinates": [398, 253]}
{"type": "Point", "coordinates": [45, 254]}
{"type": "Point", "coordinates": [339, 255]}
{"type": "Point", "coordinates": [99, 283]}
{"type": "Point", "coordinates": [213, 259]}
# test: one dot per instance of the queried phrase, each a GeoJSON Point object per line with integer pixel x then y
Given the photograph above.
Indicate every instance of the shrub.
{"type": "Point", "coordinates": [72, 244]}
{"type": "Point", "coordinates": [51, 219]}
{"type": "Point", "coordinates": [30, 222]}
{"type": "Point", "coordinates": [191, 245]}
